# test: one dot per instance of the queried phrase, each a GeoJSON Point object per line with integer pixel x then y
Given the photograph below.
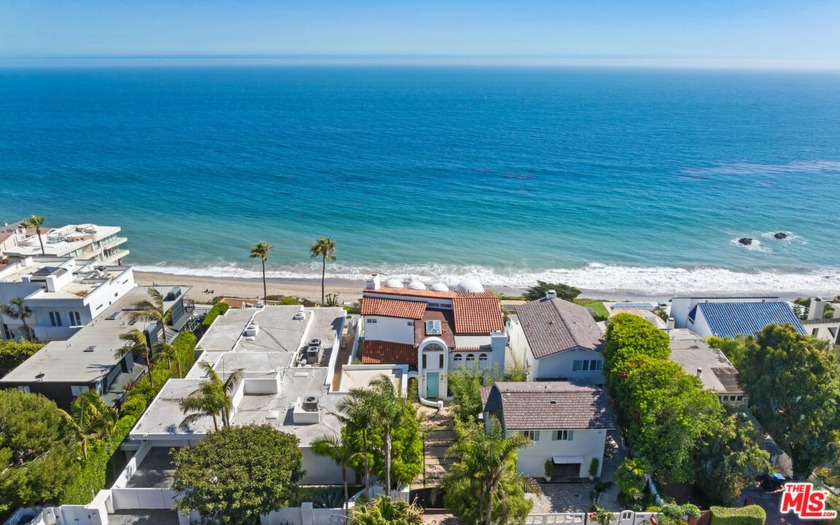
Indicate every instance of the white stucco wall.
{"type": "Point", "coordinates": [391, 329]}
{"type": "Point", "coordinates": [561, 365]}
{"type": "Point", "coordinates": [321, 470]}
{"type": "Point", "coordinates": [586, 443]}
{"type": "Point", "coordinates": [699, 326]}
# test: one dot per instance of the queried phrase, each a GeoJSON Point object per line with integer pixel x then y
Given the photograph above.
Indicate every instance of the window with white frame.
{"type": "Point", "coordinates": [533, 435]}
{"type": "Point", "coordinates": [482, 359]}
{"type": "Point", "coordinates": [75, 318]}
{"type": "Point", "coordinates": [563, 435]}
{"type": "Point", "coordinates": [587, 365]}
{"type": "Point", "coordinates": [470, 358]}
{"type": "Point", "coordinates": [370, 321]}
{"type": "Point", "coordinates": [458, 359]}
{"type": "Point", "coordinates": [55, 319]}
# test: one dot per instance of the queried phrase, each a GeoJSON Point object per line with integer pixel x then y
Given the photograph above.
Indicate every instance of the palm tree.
{"type": "Point", "coordinates": [135, 342]}
{"type": "Point", "coordinates": [324, 248]}
{"type": "Point", "coordinates": [386, 511]}
{"type": "Point", "coordinates": [340, 452]}
{"type": "Point", "coordinates": [483, 482]}
{"type": "Point", "coordinates": [168, 352]}
{"type": "Point", "coordinates": [388, 410]}
{"type": "Point", "coordinates": [92, 416]}
{"type": "Point", "coordinates": [356, 410]}
{"type": "Point", "coordinates": [152, 310]}
{"type": "Point", "coordinates": [213, 398]}
{"type": "Point", "coordinates": [16, 309]}
{"type": "Point", "coordinates": [261, 250]}
{"type": "Point", "coordinates": [35, 221]}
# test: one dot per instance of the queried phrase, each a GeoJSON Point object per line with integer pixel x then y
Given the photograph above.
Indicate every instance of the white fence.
{"type": "Point", "coordinates": [124, 499]}
{"type": "Point", "coordinates": [627, 517]}
{"type": "Point", "coordinates": [304, 515]}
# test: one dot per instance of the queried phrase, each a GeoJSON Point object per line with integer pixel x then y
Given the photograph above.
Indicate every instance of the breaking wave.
{"type": "Point", "coordinates": [595, 277]}
{"type": "Point", "coordinates": [755, 168]}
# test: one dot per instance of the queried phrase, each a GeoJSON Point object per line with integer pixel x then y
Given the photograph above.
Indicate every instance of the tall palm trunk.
{"type": "Point", "coordinates": [323, 273]}
{"type": "Point", "coordinates": [367, 465]}
{"type": "Point", "coordinates": [346, 493]}
{"type": "Point", "coordinates": [388, 460]}
{"type": "Point", "coordinates": [265, 288]}
{"type": "Point", "coordinates": [148, 356]}
{"type": "Point", "coordinates": [26, 330]}
{"type": "Point", "coordinates": [40, 240]}
{"type": "Point", "coordinates": [215, 423]}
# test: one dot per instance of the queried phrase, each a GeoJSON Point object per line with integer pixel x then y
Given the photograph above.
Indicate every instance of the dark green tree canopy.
{"type": "Point", "coordinates": [238, 473]}
{"type": "Point", "coordinates": [39, 449]}
{"type": "Point", "coordinates": [564, 291]}
{"type": "Point", "coordinates": [13, 353]}
{"type": "Point", "coordinates": [793, 382]}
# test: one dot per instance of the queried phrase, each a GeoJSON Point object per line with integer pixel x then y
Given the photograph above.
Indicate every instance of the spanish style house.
{"type": "Point", "coordinates": [433, 330]}
{"type": "Point", "coordinates": [557, 339]}
{"type": "Point", "coordinates": [567, 424]}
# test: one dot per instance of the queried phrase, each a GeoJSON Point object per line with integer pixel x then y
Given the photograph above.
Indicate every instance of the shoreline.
{"type": "Point", "coordinates": [349, 291]}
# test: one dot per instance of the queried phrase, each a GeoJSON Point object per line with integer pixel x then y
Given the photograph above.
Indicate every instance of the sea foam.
{"type": "Point", "coordinates": [595, 277]}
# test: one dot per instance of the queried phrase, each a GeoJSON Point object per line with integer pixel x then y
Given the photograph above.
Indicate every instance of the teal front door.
{"type": "Point", "coordinates": [432, 385]}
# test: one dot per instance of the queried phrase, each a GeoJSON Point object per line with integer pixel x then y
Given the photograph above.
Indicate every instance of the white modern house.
{"type": "Point", "coordinates": [566, 423]}
{"type": "Point", "coordinates": [62, 294]}
{"type": "Point", "coordinates": [432, 330]}
{"type": "Point", "coordinates": [557, 339]}
{"type": "Point", "coordinates": [83, 242]}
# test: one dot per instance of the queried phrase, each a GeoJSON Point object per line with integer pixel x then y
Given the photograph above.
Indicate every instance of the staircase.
{"type": "Point", "coordinates": [439, 435]}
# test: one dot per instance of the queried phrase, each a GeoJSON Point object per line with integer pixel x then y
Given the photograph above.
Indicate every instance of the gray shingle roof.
{"type": "Point", "coordinates": [553, 405]}
{"type": "Point", "coordinates": [731, 319]}
{"type": "Point", "coordinates": [555, 325]}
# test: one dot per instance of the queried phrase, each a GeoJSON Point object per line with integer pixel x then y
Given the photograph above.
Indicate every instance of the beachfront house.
{"type": "Point", "coordinates": [84, 242]}
{"type": "Point", "coordinates": [557, 339]}
{"type": "Point", "coordinates": [731, 316]}
{"type": "Point", "coordinates": [567, 424]}
{"type": "Point", "coordinates": [708, 364]}
{"type": "Point", "coordinates": [63, 295]}
{"type": "Point", "coordinates": [88, 360]}
{"type": "Point", "coordinates": [432, 330]}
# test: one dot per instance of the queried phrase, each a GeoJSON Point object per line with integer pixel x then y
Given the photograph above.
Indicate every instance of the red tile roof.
{"type": "Point", "coordinates": [477, 314]}
{"type": "Point", "coordinates": [376, 352]}
{"type": "Point", "coordinates": [426, 293]}
{"type": "Point", "coordinates": [393, 308]}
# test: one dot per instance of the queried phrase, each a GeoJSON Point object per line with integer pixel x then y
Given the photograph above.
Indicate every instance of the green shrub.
{"type": "Point", "coordinates": [749, 515]}
{"type": "Point", "coordinates": [217, 310]}
{"type": "Point", "coordinates": [13, 353]}
{"type": "Point", "coordinates": [93, 475]}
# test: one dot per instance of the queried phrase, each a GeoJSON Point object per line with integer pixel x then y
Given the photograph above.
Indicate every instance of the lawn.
{"type": "Point", "coordinates": [596, 305]}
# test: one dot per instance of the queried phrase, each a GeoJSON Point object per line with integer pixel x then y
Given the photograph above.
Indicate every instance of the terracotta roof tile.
{"type": "Point", "coordinates": [553, 405]}
{"type": "Point", "coordinates": [426, 293]}
{"type": "Point", "coordinates": [376, 352]}
{"type": "Point", "coordinates": [477, 314]}
{"type": "Point", "coordinates": [393, 308]}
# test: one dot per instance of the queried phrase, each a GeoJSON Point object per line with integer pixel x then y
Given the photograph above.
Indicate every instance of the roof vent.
{"type": "Point", "coordinates": [251, 330]}
{"type": "Point", "coordinates": [314, 342]}
{"type": "Point", "coordinates": [91, 348]}
{"type": "Point", "coordinates": [551, 294]}
{"type": "Point", "coordinates": [699, 371]}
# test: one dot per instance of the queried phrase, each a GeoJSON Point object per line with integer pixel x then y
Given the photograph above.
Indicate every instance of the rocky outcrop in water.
{"type": "Point", "coordinates": [780, 235]}
{"type": "Point", "coordinates": [745, 241]}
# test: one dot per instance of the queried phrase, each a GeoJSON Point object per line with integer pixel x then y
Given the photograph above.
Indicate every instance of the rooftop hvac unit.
{"type": "Point", "coordinates": [251, 330]}
{"type": "Point", "coordinates": [313, 354]}
{"type": "Point", "coordinates": [310, 404]}
{"type": "Point", "coordinates": [314, 342]}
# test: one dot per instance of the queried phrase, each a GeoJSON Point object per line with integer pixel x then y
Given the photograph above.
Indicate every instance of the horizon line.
{"type": "Point", "coordinates": [423, 60]}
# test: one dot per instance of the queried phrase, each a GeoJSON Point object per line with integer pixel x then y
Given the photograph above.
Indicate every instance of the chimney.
{"type": "Point", "coordinates": [670, 324]}
{"type": "Point", "coordinates": [699, 371]}
{"type": "Point", "coordinates": [372, 282]}
{"type": "Point", "coordinates": [816, 309]}
{"type": "Point", "coordinates": [551, 294]}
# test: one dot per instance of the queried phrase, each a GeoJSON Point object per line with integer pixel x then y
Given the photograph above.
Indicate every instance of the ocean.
{"type": "Point", "coordinates": [637, 180]}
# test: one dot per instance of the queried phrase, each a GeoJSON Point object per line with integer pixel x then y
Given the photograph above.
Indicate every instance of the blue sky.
{"type": "Point", "coordinates": [789, 31]}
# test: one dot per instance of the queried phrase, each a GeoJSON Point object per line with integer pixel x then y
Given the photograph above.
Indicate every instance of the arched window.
{"type": "Point", "coordinates": [458, 359]}
{"type": "Point", "coordinates": [55, 319]}
{"type": "Point", "coordinates": [470, 358]}
{"type": "Point", "coordinates": [482, 359]}
{"type": "Point", "coordinates": [75, 318]}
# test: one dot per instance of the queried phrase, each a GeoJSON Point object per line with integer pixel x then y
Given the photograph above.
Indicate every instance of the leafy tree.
{"type": "Point", "coordinates": [793, 382]}
{"type": "Point", "coordinates": [631, 477]}
{"type": "Point", "coordinates": [261, 250]}
{"type": "Point", "coordinates": [377, 418]}
{"type": "Point", "coordinates": [482, 486]}
{"type": "Point", "coordinates": [339, 451]}
{"type": "Point", "coordinates": [16, 309]}
{"type": "Point", "coordinates": [732, 347]}
{"type": "Point", "coordinates": [136, 343]}
{"type": "Point", "coordinates": [729, 456]}
{"type": "Point", "coordinates": [386, 511]}
{"type": "Point", "coordinates": [13, 353]}
{"type": "Point", "coordinates": [564, 291]}
{"type": "Point", "coordinates": [238, 473]}
{"type": "Point", "coordinates": [152, 310]}
{"type": "Point", "coordinates": [39, 448]}
{"type": "Point", "coordinates": [93, 416]}
{"type": "Point", "coordinates": [213, 398]}
{"type": "Point", "coordinates": [466, 385]}
{"type": "Point", "coordinates": [627, 336]}
{"type": "Point", "coordinates": [665, 412]}
{"type": "Point", "coordinates": [324, 248]}
{"type": "Point", "coordinates": [35, 221]}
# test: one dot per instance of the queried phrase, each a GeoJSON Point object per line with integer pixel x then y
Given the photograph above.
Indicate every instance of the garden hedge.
{"type": "Point", "coordinates": [749, 515]}
{"type": "Point", "coordinates": [217, 310]}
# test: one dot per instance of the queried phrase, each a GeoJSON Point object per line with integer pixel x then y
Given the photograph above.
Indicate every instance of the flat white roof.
{"type": "Point", "coordinates": [691, 351]}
